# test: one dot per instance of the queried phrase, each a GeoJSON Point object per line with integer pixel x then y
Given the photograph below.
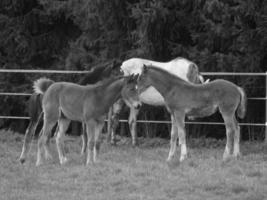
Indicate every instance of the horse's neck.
{"type": "Point", "coordinates": [113, 91]}
{"type": "Point", "coordinates": [163, 85]}
{"type": "Point", "coordinates": [93, 76]}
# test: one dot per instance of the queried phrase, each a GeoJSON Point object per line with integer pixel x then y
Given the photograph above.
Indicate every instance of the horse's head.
{"type": "Point", "coordinates": [114, 68]}
{"type": "Point", "coordinates": [129, 92]}
{"type": "Point", "coordinates": [143, 80]}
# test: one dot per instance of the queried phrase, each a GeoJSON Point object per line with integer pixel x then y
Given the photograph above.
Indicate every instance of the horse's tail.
{"type": "Point", "coordinates": [242, 106]}
{"type": "Point", "coordinates": [41, 85]}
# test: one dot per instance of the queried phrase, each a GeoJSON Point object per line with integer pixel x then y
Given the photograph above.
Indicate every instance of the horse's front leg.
{"type": "Point", "coordinates": [109, 125]}
{"type": "Point", "coordinates": [114, 122]}
{"type": "Point", "coordinates": [98, 129]}
{"type": "Point", "coordinates": [179, 121]}
{"type": "Point", "coordinates": [27, 140]}
{"type": "Point", "coordinates": [84, 139]}
{"type": "Point", "coordinates": [173, 141]}
{"type": "Point", "coordinates": [90, 129]}
{"type": "Point", "coordinates": [132, 123]}
{"type": "Point", "coordinates": [43, 140]}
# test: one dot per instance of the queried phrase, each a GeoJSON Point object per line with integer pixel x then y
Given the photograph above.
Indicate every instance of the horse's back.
{"type": "Point", "coordinates": [223, 91]}
{"type": "Point", "coordinates": [222, 84]}
{"type": "Point", "coordinates": [61, 89]}
{"type": "Point", "coordinates": [181, 67]}
{"type": "Point", "coordinates": [178, 66]}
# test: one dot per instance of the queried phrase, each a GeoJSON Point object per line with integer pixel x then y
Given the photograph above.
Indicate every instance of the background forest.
{"type": "Point", "coordinates": [218, 35]}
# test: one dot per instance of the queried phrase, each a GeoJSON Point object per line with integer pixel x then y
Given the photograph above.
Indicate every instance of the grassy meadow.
{"type": "Point", "coordinates": [127, 173]}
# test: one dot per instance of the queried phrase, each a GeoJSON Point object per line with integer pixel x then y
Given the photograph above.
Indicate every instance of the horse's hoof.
{"type": "Point", "coordinates": [63, 160]}
{"type": "Point", "coordinates": [182, 158]}
{"type": "Point", "coordinates": [38, 163]}
{"type": "Point", "coordinates": [96, 161]}
{"type": "Point", "coordinates": [89, 163]}
{"type": "Point", "coordinates": [22, 160]}
{"type": "Point", "coordinates": [226, 159]}
{"type": "Point", "coordinates": [170, 158]}
{"type": "Point", "coordinates": [134, 144]}
{"type": "Point", "coordinates": [172, 163]}
{"type": "Point", "coordinates": [237, 156]}
{"type": "Point", "coordinates": [49, 157]}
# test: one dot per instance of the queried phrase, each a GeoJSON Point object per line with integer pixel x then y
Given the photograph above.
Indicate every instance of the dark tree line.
{"type": "Point", "coordinates": [218, 35]}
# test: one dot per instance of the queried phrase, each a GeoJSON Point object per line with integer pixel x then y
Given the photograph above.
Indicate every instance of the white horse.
{"type": "Point", "coordinates": [181, 67]}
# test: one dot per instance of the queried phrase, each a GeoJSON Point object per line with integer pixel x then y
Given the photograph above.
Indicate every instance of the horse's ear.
{"type": "Point", "coordinates": [130, 78]}
{"type": "Point", "coordinates": [115, 64]}
{"type": "Point", "coordinates": [135, 77]}
{"type": "Point", "coordinates": [144, 68]}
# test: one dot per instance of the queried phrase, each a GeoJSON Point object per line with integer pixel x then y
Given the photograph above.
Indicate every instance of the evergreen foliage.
{"type": "Point", "coordinates": [218, 35]}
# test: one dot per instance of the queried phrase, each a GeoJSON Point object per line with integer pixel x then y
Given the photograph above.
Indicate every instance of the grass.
{"type": "Point", "coordinates": [129, 173]}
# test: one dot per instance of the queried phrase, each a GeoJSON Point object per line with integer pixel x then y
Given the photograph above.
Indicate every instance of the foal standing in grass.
{"type": "Point", "coordinates": [183, 98]}
{"type": "Point", "coordinates": [95, 75]}
{"type": "Point", "coordinates": [63, 102]}
{"type": "Point", "coordinates": [181, 67]}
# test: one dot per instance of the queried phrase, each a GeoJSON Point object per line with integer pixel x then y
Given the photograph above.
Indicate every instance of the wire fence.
{"type": "Point", "coordinates": [39, 71]}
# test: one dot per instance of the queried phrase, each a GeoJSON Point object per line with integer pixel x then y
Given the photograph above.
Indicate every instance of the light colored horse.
{"type": "Point", "coordinates": [183, 98]}
{"type": "Point", "coordinates": [180, 67]}
{"type": "Point", "coordinates": [63, 102]}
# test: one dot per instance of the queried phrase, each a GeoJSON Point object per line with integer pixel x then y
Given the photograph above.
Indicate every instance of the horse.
{"type": "Point", "coordinates": [183, 98]}
{"type": "Point", "coordinates": [95, 75]}
{"type": "Point", "coordinates": [64, 101]}
{"type": "Point", "coordinates": [180, 67]}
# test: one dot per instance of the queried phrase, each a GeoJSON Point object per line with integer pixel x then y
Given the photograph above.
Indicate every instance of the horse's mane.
{"type": "Point", "coordinates": [108, 81]}
{"type": "Point", "coordinates": [172, 76]}
{"type": "Point", "coordinates": [94, 75]}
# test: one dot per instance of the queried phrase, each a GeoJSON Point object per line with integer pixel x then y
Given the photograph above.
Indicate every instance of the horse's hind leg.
{"type": "Point", "coordinates": [63, 125]}
{"type": "Point", "coordinates": [231, 127]}
{"type": "Point", "coordinates": [43, 140]}
{"type": "Point", "coordinates": [236, 151]}
{"type": "Point", "coordinates": [48, 155]}
{"type": "Point", "coordinates": [28, 138]}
